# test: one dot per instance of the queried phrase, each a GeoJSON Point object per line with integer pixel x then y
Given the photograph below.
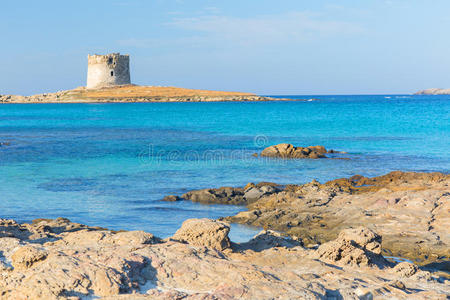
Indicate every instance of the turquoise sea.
{"type": "Point", "coordinates": [111, 164]}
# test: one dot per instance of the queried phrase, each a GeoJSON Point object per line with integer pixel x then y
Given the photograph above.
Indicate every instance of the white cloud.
{"type": "Point", "coordinates": [289, 28]}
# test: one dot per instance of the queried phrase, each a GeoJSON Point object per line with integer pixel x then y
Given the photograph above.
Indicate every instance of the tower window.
{"type": "Point", "coordinates": [112, 73]}
{"type": "Point", "coordinates": [110, 60]}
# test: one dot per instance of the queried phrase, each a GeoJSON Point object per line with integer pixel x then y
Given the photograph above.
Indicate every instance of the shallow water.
{"type": "Point", "coordinates": [111, 164]}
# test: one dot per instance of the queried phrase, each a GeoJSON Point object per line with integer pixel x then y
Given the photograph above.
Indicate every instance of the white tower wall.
{"type": "Point", "coordinates": [108, 70]}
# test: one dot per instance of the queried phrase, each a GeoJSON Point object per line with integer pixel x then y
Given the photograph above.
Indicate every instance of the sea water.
{"type": "Point", "coordinates": [111, 164]}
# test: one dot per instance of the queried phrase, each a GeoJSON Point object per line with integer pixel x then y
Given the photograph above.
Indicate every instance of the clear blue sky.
{"type": "Point", "coordinates": [261, 46]}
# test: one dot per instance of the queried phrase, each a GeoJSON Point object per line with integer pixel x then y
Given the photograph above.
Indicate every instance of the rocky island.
{"type": "Point", "coordinates": [134, 93]}
{"type": "Point", "coordinates": [108, 80]}
{"type": "Point", "coordinates": [434, 92]}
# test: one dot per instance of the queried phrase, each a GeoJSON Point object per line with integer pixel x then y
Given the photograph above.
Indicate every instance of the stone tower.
{"type": "Point", "coordinates": [108, 70]}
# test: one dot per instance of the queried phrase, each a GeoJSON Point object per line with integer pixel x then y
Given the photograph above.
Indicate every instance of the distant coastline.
{"type": "Point", "coordinates": [135, 93]}
{"type": "Point", "coordinates": [434, 92]}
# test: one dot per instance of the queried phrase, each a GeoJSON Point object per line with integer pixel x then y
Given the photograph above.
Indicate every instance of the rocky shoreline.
{"type": "Point", "coordinates": [410, 210]}
{"type": "Point", "coordinates": [133, 93]}
{"type": "Point", "coordinates": [59, 259]}
{"type": "Point", "coordinates": [320, 241]}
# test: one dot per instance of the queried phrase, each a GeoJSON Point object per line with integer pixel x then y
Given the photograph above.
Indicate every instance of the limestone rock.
{"type": "Point", "coordinates": [204, 232]}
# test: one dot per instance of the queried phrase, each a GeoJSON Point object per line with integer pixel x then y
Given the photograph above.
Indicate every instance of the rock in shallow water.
{"type": "Point", "coordinates": [171, 198]}
{"type": "Point", "coordinates": [290, 151]}
{"type": "Point", "coordinates": [223, 195]}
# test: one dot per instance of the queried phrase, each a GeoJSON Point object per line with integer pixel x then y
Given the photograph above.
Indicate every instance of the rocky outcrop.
{"type": "Point", "coordinates": [204, 232]}
{"type": "Point", "coordinates": [434, 92]}
{"type": "Point", "coordinates": [231, 195]}
{"type": "Point", "coordinates": [405, 269]}
{"type": "Point", "coordinates": [290, 151]}
{"type": "Point", "coordinates": [253, 192]}
{"type": "Point", "coordinates": [223, 195]}
{"type": "Point", "coordinates": [267, 239]}
{"type": "Point", "coordinates": [58, 259]}
{"type": "Point", "coordinates": [410, 210]}
{"type": "Point", "coordinates": [360, 246]}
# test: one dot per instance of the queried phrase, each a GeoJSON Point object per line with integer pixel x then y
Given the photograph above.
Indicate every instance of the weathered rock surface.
{"type": "Point", "coordinates": [290, 151]}
{"type": "Point", "coordinates": [230, 195]}
{"type": "Point", "coordinates": [410, 210]}
{"type": "Point", "coordinates": [360, 246]}
{"type": "Point", "coordinates": [58, 259]}
{"type": "Point", "coordinates": [223, 195]}
{"type": "Point", "coordinates": [204, 232]}
{"type": "Point", "coordinates": [26, 256]}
